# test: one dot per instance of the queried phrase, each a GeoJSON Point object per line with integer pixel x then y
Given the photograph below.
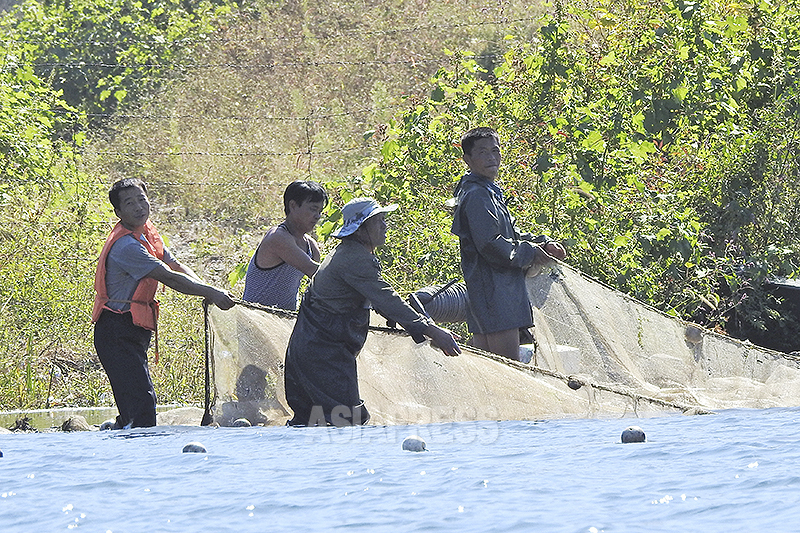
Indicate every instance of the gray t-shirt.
{"type": "Point", "coordinates": [128, 262]}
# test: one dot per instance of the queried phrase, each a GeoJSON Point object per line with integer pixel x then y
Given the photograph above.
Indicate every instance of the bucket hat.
{"type": "Point", "coordinates": [356, 211]}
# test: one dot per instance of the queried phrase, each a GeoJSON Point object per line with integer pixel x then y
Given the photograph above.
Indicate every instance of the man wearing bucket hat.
{"type": "Point", "coordinates": [321, 380]}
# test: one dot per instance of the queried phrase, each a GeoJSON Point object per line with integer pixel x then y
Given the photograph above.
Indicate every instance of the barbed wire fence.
{"type": "Point", "coordinates": [151, 70]}
{"type": "Point", "coordinates": [310, 147]}
{"type": "Point", "coordinates": [306, 121]}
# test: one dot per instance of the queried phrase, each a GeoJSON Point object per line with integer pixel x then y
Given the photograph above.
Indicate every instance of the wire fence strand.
{"type": "Point", "coordinates": [341, 34]}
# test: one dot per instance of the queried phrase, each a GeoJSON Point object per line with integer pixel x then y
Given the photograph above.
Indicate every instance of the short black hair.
{"type": "Point", "coordinates": [304, 191]}
{"type": "Point", "coordinates": [475, 134]}
{"type": "Point", "coordinates": [121, 185]}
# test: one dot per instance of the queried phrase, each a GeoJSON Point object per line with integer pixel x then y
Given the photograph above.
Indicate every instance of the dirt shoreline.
{"type": "Point", "coordinates": [88, 419]}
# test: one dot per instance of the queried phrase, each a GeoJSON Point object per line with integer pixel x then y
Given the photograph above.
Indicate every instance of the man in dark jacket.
{"type": "Point", "coordinates": [494, 254]}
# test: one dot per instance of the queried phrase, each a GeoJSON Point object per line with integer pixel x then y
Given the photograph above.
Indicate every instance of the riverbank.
{"type": "Point", "coordinates": [53, 419]}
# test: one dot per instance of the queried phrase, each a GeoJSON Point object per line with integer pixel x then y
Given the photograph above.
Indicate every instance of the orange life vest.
{"type": "Point", "coordinates": [144, 307]}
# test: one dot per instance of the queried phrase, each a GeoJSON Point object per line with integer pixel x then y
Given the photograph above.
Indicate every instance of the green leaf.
{"type": "Point", "coordinates": [389, 150]}
{"type": "Point", "coordinates": [594, 141]}
{"type": "Point", "coordinates": [238, 273]}
{"type": "Point", "coordinates": [609, 59]}
{"type": "Point", "coordinates": [543, 162]}
{"type": "Point", "coordinates": [621, 240]}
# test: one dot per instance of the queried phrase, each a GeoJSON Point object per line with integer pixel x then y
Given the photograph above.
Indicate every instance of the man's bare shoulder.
{"type": "Point", "coordinates": [280, 238]}
{"type": "Point", "coordinates": [275, 233]}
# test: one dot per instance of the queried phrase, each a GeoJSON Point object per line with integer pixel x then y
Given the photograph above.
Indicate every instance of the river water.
{"type": "Point", "coordinates": [737, 470]}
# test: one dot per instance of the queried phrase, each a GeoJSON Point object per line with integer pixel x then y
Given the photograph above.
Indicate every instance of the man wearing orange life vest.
{"type": "Point", "coordinates": [132, 263]}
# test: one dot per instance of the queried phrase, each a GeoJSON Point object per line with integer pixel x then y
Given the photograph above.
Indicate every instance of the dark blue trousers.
{"type": "Point", "coordinates": [122, 349]}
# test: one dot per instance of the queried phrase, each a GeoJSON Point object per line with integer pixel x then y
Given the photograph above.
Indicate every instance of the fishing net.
{"type": "Point", "coordinates": [245, 348]}
{"type": "Point", "coordinates": [586, 329]}
{"type": "Point", "coordinates": [598, 353]}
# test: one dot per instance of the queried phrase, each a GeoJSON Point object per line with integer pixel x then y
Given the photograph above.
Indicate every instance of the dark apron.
{"type": "Point", "coordinates": [320, 379]}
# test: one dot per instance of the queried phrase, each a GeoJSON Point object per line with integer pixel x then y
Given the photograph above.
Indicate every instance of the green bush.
{"type": "Point", "coordinates": [102, 53]}
{"type": "Point", "coordinates": [641, 139]}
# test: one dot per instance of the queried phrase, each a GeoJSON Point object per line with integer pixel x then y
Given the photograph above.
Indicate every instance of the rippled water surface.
{"type": "Point", "coordinates": [733, 471]}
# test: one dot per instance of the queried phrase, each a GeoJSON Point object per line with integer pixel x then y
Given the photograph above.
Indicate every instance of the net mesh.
{"type": "Point", "coordinates": [585, 328]}
{"type": "Point", "coordinates": [598, 353]}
